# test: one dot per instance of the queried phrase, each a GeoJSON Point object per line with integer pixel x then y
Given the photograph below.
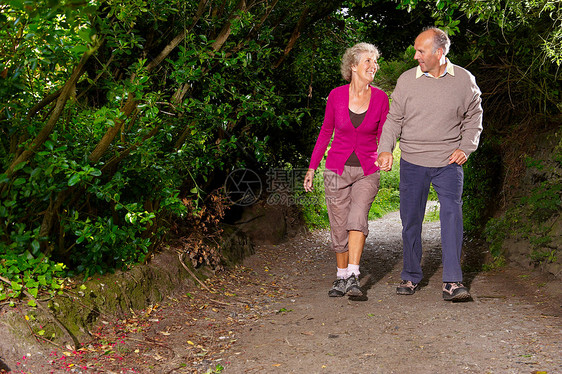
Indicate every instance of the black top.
{"type": "Point", "coordinates": [356, 120]}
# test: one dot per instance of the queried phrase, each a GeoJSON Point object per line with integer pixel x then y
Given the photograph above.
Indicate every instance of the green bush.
{"type": "Point", "coordinates": [388, 197]}
{"type": "Point", "coordinates": [314, 211]}
{"type": "Point", "coordinates": [482, 185]}
{"type": "Point", "coordinates": [530, 217]}
{"type": "Point", "coordinates": [30, 274]}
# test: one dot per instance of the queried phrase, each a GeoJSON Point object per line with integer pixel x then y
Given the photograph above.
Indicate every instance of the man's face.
{"type": "Point", "coordinates": [428, 61]}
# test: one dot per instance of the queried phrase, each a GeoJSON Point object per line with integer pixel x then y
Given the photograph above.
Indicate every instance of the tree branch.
{"type": "Point", "coordinates": [227, 28]}
{"type": "Point", "coordinates": [177, 40]}
{"type": "Point", "coordinates": [65, 93]}
{"type": "Point", "coordinates": [131, 103]}
{"type": "Point", "coordinates": [294, 36]}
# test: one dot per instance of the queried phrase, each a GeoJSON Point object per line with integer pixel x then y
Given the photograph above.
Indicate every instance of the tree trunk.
{"type": "Point", "coordinates": [294, 36]}
{"type": "Point", "coordinates": [131, 104]}
{"type": "Point", "coordinates": [227, 29]}
{"type": "Point", "coordinates": [43, 135]}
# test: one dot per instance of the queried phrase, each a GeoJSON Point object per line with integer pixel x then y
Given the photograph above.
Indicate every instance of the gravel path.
{"type": "Point", "coordinates": [512, 325]}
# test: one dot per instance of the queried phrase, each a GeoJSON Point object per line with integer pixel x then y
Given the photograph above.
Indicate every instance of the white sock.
{"type": "Point", "coordinates": [342, 273]}
{"type": "Point", "coordinates": [353, 269]}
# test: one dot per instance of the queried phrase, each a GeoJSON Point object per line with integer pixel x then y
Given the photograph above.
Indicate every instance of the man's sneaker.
{"type": "Point", "coordinates": [406, 288]}
{"type": "Point", "coordinates": [455, 291]}
{"type": "Point", "coordinates": [338, 288]}
{"type": "Point", "coordinates": [353, 288]}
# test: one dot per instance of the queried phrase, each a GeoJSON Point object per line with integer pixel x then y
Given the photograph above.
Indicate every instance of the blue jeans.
{"type": "Point", "coordinates": [414, 188]}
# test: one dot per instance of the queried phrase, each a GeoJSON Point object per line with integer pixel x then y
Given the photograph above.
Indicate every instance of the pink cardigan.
{"type": "Point", "coordinates": [363, 140]}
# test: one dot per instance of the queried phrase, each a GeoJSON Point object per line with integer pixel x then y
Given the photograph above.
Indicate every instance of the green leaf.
{"type": "Point", "coordinates": [19, 181]}
{"type": "Point", "coordinates": [35, 246]}
{"type": "Point", "coordinates": [84, 34]}
{"type": "Point", "coordinates": [74, 179]}
{"type": "Point", "coordinates": [79, 49]}
{"type": "Point", "coordinates": [95, 172]}
{"type": "Point", "coordinates": [20, 166]}
{"type": "Point", "coordinates": [42, 279]}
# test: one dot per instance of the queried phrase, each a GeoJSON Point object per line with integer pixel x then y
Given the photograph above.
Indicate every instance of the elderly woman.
{"type": "Point", "coordinates": [355, 114]}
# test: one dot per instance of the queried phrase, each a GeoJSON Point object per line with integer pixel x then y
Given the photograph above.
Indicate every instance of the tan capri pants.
{"type": "Point", "coordinates": [348, 198]}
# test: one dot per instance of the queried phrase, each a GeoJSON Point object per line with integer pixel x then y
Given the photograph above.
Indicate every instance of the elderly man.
{"type": "Point", "coordinates": [437, 114]}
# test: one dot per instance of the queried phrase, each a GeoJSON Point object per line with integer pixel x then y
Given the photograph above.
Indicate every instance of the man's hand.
{"type": "Point", "coordinates": [385, 161]}
{"type": "Point", "coordinates": [308, 179]}
{"type": "Point", "coordinates": [458, 157]}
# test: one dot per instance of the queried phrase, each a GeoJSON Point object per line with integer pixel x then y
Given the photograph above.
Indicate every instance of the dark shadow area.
{"type": "Point", "coordinates": [359, 298]}
{"type": "Point", "coordinates": [4, 368]}
{"type": "Point", "coordinates": [431, 261]}
{"type": "Point", "coordinates": [475, 254]}
{"type": "Point", "coordinates": [376, 264]}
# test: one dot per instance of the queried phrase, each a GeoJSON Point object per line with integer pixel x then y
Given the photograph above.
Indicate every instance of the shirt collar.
{"type": "Point", "coordinates": [449, 69]}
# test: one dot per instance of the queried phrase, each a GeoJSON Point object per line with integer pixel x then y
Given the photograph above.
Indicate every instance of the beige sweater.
{"type": "Point", "coordinates": [433, 117]}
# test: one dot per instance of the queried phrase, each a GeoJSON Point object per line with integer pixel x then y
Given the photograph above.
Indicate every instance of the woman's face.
{"type": "Point", "coordinates": [366, 68]}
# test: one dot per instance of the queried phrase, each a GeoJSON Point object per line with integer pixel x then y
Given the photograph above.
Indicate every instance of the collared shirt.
{"type": "Point", "coordinates": [448, 70]}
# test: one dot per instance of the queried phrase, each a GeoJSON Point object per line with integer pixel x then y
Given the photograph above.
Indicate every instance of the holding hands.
{"type": "Point", "coordinates": [384, 161]}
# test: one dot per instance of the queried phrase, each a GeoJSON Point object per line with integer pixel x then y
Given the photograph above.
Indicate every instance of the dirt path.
{"type": "Point", "coordinates": [273, 315]}
{"type": "Point", "coordinates": [512, 325]}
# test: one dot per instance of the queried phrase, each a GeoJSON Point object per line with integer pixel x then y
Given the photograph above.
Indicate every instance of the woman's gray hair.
{"type": "Point", "coordinates": [352, 56]}
{"type": "Point", "coordinates": [440, 40]}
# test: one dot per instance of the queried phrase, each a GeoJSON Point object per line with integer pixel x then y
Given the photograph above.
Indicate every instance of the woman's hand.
{"type": "Point", "coordinates": [308, 179]}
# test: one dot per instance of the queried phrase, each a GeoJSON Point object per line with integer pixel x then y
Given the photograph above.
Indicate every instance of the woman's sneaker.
{"type": "Point", "coordinates": [407, 288]}
{"type": "Point", "coordinates": [353, 288]}
{"type": "Point", "coordinates": [338, 288]}
{"type": "Point", "coordinates": [455, 291]}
